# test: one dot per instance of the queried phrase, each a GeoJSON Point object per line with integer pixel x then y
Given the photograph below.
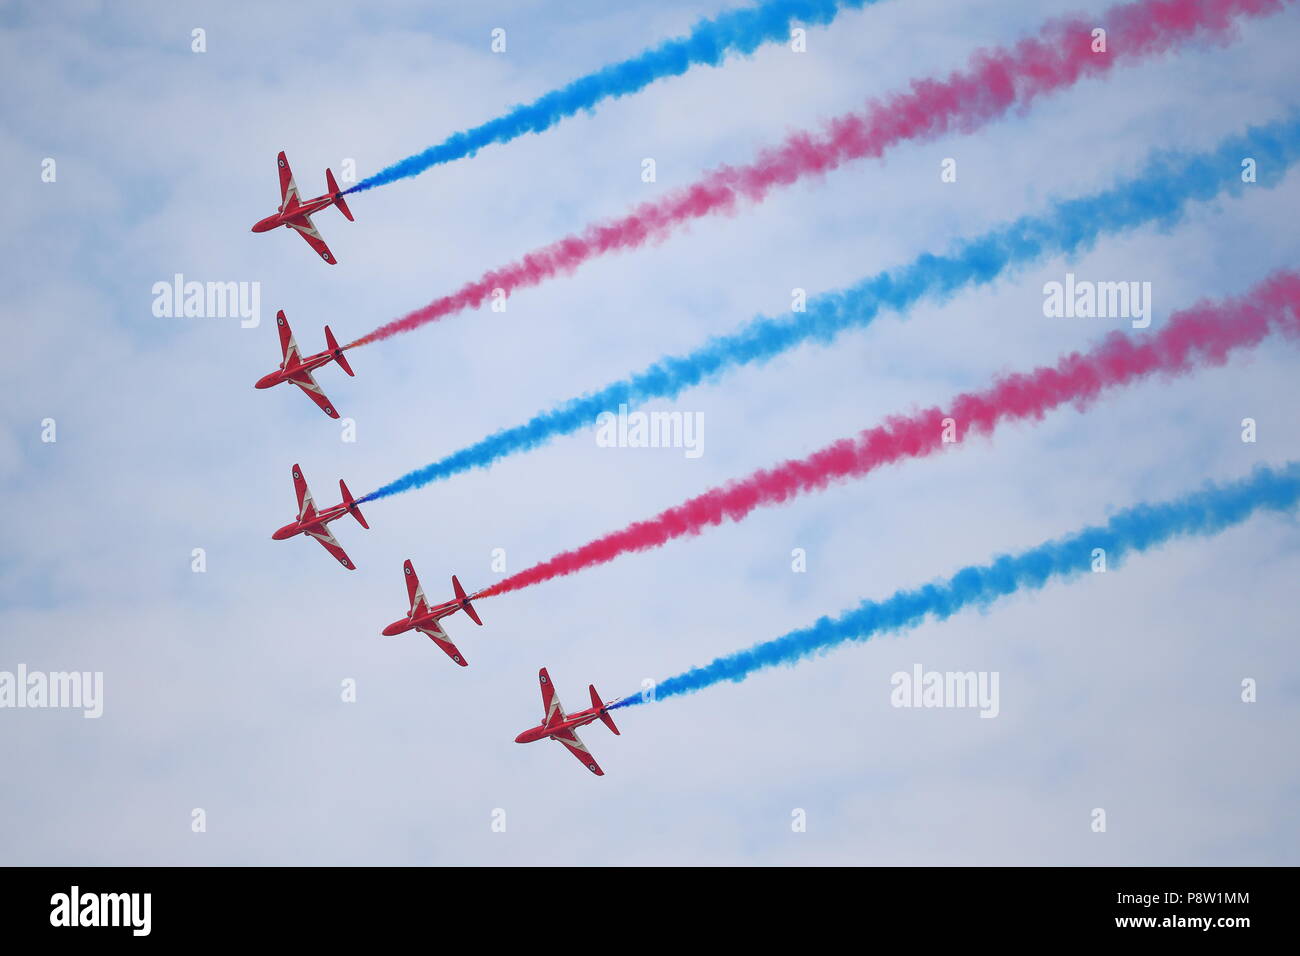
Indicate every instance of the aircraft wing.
{"type": "Point", "coordinates": [550, 700]}
{"type": "Point", "coordinates": [288, 188]}
{"type": "Point", "coordinates": [308, 384]}
{"type": "Point", "coordinates": [333, 547]}
{"type": "Point", "coordinates": [576, 747]}
{"type": "Point", "coordinates": [304, 227]}
{"type": "Point", "coordinates": [306, 507]}
{"type": "Point", "coordinates": [436, 634]}
{"type": "Point", "coordinates": [289, 353]}
{"type": "Point", "coordinates": [419, 604]}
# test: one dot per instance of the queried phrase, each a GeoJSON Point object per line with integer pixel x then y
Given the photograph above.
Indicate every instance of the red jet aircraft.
{"type": "Point", "coordinates": [296, 369]}
{"type": "Point", "coordinates": [558, 725]}
{"type": "Point", "coordinates": [313, 523]}
{"type": "Point", "coordinates": [424, 617]}
{"type": "Point", "coordinates": [295, 213]}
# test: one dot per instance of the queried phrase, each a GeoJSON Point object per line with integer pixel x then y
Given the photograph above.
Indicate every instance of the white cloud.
{"type": "Point", "coordinates": [222, 689]}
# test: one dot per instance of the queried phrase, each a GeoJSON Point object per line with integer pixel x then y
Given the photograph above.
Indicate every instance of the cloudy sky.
{"type": "Point", "coordinates": [223, 689]}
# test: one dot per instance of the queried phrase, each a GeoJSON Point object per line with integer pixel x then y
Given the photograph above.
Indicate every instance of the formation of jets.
{"type": "Point", "coordinates": [296, 369]}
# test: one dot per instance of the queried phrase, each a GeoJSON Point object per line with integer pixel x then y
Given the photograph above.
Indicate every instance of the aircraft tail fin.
{"type": "Point", "coordinates": [599, 704]}
{"type": "Point", "coordinates": [463, 598]}
{"type": "Point", "coordinates": [332, 344]}
{"type": "Point", "coordinates": [333, 187]}
{"type": "Point", "coordinates": [351, 504]}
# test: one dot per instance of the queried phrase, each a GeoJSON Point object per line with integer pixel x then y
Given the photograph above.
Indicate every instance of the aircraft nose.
{"type": "Point", "coordinates": [520, 739]}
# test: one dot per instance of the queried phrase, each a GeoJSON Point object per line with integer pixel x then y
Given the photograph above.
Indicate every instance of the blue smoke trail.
{"type": "Point", "coordinates": [708, 44]}
{"type": "Point", "coordinates": [1132, 531]}
{"type": "Point", "coordinates": [1158, 195]}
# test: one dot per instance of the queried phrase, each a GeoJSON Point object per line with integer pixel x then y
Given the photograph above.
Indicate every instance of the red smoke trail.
{"type": "Point", "coordinates": [1202, 335]}
{"type": "Point", "coordinates": [994, 82]}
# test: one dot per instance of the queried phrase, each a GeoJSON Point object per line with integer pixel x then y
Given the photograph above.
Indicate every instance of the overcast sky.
{"type": "Point", "coordinates": [223, 689]}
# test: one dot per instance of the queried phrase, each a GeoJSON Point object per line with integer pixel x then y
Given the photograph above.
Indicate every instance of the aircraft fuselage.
{"type": "Point", "coordinates": [282, 218]}
{"type": "Point", "coordinates": [282, 374]}
{"type": "Point", "coordinates": [429, 617]}
{"type": "Point", "coordinates": [571, 722]}
{"type": "Point", "coordinates": [317, 523]}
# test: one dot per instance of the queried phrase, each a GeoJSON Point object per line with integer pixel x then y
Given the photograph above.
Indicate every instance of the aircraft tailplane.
{"type": "Point", "coordinates": [351, 504]}
{"type": "Point", "coordinates": [332, 344]}
{"type": "Point", "coordinates": [333, 187]}
{"type": "Point", "coordinates": [600, 707]}
{"type": "Point", "coordinates": [463, 598]}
